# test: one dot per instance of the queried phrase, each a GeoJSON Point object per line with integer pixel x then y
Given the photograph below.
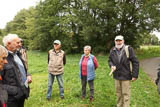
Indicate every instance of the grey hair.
{"type": "Point", "coordinates": [3, 50]}
{"type": "Point", "coordinates": [87, 47]}
{"type": "Point", "coordinates": [9, 38]}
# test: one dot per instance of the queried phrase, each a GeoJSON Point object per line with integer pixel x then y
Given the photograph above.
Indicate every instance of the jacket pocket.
{"type": "Point", "coordinates": [12, 90]}
{"type": "Point", "coordinates": [19, 94]}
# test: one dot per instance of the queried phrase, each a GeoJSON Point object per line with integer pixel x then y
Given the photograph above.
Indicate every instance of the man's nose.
{"type": "Point", "coordinates": [5, 61]}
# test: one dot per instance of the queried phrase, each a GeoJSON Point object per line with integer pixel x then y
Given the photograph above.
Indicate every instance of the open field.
{"type": "Point", "coordinates": [144, 91]}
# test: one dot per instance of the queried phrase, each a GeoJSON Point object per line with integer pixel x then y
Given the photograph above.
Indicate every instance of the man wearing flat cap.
{"type": "Point", "coordinates": [56, 62]}
{"type": "Point", "coordinates": [125, 67]}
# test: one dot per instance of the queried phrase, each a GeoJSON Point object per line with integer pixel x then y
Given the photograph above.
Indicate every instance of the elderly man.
{"type": "Point", "coordinates": [120, 64]}
{"type": "Point", "coordinates": [3, 61]}
{"type": "Point", "coordinates": [14, 75]}
{"type": "Point", "coordinates": [56, 62]}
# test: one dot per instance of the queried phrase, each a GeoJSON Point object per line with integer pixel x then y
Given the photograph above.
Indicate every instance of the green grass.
{"type": "Point", "coordinates": [149, 46]}
{"type": "Point", "coordinates": [144, 91]}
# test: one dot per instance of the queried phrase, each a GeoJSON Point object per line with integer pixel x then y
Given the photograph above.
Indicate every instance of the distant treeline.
{"type": "Point", "coordinates": [86, 22]}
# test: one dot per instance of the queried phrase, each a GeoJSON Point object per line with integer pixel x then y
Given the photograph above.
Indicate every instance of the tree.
{"type": "Point", "coordinates": [1, 36]}
{"type": "Point", "coordinates": [86, 22]}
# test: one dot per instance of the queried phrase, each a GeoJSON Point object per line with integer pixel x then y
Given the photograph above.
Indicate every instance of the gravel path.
{"type": "Point", "coordinates": [150, 67]}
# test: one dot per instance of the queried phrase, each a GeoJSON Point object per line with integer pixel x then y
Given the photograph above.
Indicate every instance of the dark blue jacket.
{"type": "Point", "coordinates": [3, 95]}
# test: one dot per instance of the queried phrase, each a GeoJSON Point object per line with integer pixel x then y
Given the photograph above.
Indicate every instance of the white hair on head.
{"type": "Point", "coordinates": [9, 38]}
{"type": "Point", "coordinates": [87, 47]}
{"type": "Point", "coordinates": [3, 51]}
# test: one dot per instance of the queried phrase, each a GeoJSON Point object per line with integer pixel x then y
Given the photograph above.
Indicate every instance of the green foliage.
{"type": "Point", "coordinates": [105, 95]}
{"type": "Point", "coordinates": [1, 40]}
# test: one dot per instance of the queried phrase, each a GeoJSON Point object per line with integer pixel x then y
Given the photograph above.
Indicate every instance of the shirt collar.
{"type": "Point", "coordinates": [86, 56]}
{"type": "Point", "coordinates": [12, 53]}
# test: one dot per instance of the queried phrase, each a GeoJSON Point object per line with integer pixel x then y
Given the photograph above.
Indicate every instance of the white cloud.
{"type": "Point", "coordinates": [9, 8]}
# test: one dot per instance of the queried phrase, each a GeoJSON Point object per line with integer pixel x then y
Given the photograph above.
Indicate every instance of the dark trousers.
{"type": "Point", "coordinates": [19, 103]}
{"type": "Point", "coordinates": [1, 105]}
{"type": "Point", "coordinates": [84, 84]}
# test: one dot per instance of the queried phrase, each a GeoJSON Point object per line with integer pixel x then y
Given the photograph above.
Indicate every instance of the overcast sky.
{"type": "Point", "coordinates": [9, 8]}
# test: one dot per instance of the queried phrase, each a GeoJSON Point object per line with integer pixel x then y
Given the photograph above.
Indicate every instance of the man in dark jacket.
{"type": "Point", "coordinates": [14, 75]}
{"type": "Point", "coordinates": [120, 64]}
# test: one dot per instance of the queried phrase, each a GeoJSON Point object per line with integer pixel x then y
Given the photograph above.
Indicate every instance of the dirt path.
{"type": "Point", "coordinates": [150, 67]}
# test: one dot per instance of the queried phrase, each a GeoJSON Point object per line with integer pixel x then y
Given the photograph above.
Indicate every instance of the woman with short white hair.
{"type": "Point", "coordinates": [3, 55]}
{"type": "Point", "coordinates": [3, 61]}
{"type": "Point", "coordinates": [87, 66]}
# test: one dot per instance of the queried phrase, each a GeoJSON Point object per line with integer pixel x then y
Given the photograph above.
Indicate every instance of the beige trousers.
{"type": "Point", "coordinates": [123, 93]}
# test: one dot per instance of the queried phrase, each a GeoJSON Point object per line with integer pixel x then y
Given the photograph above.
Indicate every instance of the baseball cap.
{"type": "Point", "coordinates": [119, 37]}
{"type": "Point", "coordinates": [57, 42]}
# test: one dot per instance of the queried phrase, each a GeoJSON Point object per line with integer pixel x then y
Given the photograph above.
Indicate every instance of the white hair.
{"type": "Point", "coordinates": [3, 51]}
{"type": "Point", "coordinates": [87, 47]}
{"type": "Point", "coordinates": [9, 38]}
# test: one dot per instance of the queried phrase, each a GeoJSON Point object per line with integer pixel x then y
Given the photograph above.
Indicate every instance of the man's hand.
{"type": "Point", "coordinates": [113, 68]}
{"type": "Point", "coordinates": [29, 79]}
{"type": "Point", "coordinates": [133, 79]}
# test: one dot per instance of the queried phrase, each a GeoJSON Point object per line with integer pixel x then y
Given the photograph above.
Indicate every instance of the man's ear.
{"type": "Point", "coordinates": [8, 43]}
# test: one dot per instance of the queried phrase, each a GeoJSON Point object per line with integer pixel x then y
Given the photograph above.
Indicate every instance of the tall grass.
{"type": "Point", "coordinates": [143, 93]}
{"type": "Point", "coordinates": [148, 52]}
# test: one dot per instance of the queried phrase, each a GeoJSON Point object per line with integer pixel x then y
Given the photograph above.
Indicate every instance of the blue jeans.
{"type": "Point", "coordinates": [50, 83]}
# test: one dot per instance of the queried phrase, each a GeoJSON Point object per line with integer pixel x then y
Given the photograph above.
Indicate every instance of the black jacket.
{"type": "Point", "coordinates": [123, 71]}
{"type": "Point", "coordinates": [3, 95]}
{"type": "Point", "coordinates": [11, 79]}
{"type": "Point", "coordinates": [158, 81]}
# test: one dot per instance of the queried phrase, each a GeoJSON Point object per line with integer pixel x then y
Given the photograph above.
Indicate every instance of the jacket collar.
{"type": "Point", "coordinates": [12, 53]}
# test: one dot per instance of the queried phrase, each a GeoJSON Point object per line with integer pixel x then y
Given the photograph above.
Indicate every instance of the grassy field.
{"type": "Point", "coordinates": [144, 92]}
{"type": "Point", "coordinates": [148, 52]}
